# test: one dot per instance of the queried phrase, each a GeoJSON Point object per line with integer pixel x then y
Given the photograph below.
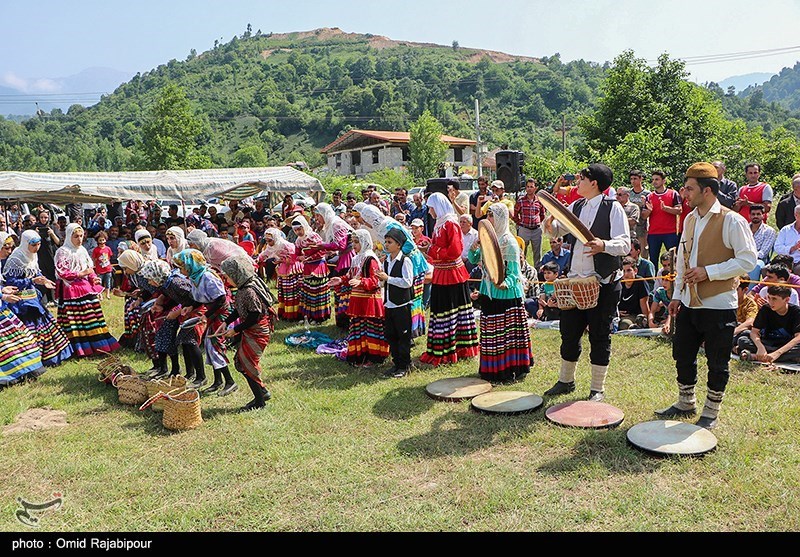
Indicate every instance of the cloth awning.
{"type": "Point", "coordinates": [60, 188]}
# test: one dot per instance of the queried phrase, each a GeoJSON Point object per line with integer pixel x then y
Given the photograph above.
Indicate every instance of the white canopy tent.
{"type": "Point", "coordinates": [187, 185]}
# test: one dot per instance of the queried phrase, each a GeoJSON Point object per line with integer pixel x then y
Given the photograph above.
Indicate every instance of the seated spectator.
{"type": "Point", "coordinates": [775, 334]}
{"type": "Point", "coordinates": [663, 271]}
{"type": "Point", "coordinates": [776, 274]}
{"type": "Point", "coordinates": [659, 307]}
{"type": "Point", "coordinates": [530, 282]}
{"type": "Point", "coordinates": [788, 239]}
{"type": "Point", "coordinates": [644, 267]}
{"type": "Point", "coordinates": [401, 218]}
{"type": "Point", "coordinates": [747, 308]}
{"type": "Point", "coordinates": [548, 308]}
{"type": "Point", "coordinates": [634, 309]}
{"type": "Point", "coordinates": [558, 254]}
{"type": "Point", "coordinates": [764, 237]}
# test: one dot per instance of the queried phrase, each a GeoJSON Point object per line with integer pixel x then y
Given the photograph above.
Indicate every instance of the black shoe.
{"type": "Point", "coordinates": [400, 373]}
{"type": "Point", "coordinates": [213, 388]}
{"type": "Point", "coordinates": [160, 374]}
{"type": "Point", "coordinates": [267, 394]}
{"type": "Point", "coordinates": [197, 383]}
{"type": "Point", "coordinates": [707, 423]}
{"type": "Point", "coordinates": [675, 412]}
{"type": "Point", "coordinates": [233, 387]}
{"type": "Point", "coordinates": [560, 388]}
{"type": "Point", "coordinates": [390, 372]}
{"type": "Point", "coordinates": [189, 377]}
{"type": "Point", "coordinates": [596, 396]}
{"type": "Point", "coordinates": [252, 405]}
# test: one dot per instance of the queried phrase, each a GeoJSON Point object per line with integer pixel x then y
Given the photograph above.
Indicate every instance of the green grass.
{"type": "Point", "coordinates": [340, 449]}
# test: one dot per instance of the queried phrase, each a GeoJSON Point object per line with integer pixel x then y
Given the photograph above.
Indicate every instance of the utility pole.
{"type": "Point", "coordinates": [563, 133]}
{"type": "Point", "coordinates": [478, 135]}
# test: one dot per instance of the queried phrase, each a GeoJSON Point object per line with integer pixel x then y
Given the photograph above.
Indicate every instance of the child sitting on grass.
{"type": "Point", "coordinates": [775, 334]}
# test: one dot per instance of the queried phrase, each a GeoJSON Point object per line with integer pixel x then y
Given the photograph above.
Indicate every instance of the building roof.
{"type": "Point", "coordinates": [353, 136]}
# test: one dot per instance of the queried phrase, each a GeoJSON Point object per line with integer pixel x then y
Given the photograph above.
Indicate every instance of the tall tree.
{"type": "Point", "coordinates": [171, 134]}
{"type": "Point", "coordinates": [426, 148]}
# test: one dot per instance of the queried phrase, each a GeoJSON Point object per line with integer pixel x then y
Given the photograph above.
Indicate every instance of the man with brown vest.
{"type": "Point", "coordinates": [717, 246]}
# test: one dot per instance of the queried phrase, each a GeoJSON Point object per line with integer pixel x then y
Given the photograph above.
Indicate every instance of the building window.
{"type": "Point", "coordinates": [338, 160]}
{"type": "Point", "coordinates": [406, 156]}
{"type": "Point", "coordinates": [458, 154]}
{"type": "Point", "coordinates": [355, 156]}
{"type": "Point", "coordinates": [375, 156]}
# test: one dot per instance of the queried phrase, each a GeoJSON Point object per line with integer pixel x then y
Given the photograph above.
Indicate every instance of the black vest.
{"type": "Point", "coordinates": [604, 263]}
{"type": "Point", "coordinates": [398, 296]}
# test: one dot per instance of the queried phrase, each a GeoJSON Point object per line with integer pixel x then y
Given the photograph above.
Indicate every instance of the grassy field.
{"type": "Point", "coordinates": [341, 449]}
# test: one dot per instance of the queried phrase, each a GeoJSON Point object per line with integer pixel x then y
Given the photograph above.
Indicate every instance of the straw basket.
{"type": "Point", "coordinates": [110, 366]}
{"type": "Point", "coordinates": [156, 386]}
{"type": "Point", "coordinates": [132, 389]}
{"type": "Point", "coordinates": [181, 409]}
{"type": "Point", "coordinates": [581, 293]}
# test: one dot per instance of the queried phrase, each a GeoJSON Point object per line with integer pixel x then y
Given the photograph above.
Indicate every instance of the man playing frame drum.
{"type": "Point", "coordinates": [716, 247]}
{"type": "Point", "coordinates": [600, 259]}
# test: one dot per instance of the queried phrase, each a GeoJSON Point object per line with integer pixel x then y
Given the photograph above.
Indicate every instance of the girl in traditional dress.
{"type": "Point", "coordinates": [336, 234]}
{"type": "Point", "coordinates": [177, 243]}
{"type": "Point", "coordinates": [130, 261]}
{"type": "Point", "coordinates": [452, 333]}
{"type": "Point", "coordinates": [211, 301]}
{"type": "Point", "coordinates": [315, 292]}
{"type": "Point", "coordinates": [79, 313]}
{"type": "Point", "coordinates": [22, 271]}
{"type": "Point", "coordinates": [214, 250]}
{"type": "Point", "coordinates": [378, 224]}
{"type": "Point", "coordinates": [145, 242]}
{"type": "Point", "coordinates": [505, 344]}
{"type": "Point", "coordinates": [20, 357]}
{"type": "Point", "coordinates": [365, 341]}
{"type": "Point", "coordinates": [289, 271]}
{"type": "Point", "coordinates": [253, 309]}
{"type": "Point", "coordinates": [138, 290]}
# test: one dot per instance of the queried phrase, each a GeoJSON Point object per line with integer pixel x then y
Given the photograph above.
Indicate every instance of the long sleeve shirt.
{"type": "Point", "coordinates": [764, 238]}
{"type": "Point", "coordinates": [787, 238]}
{"type": "Point", "coordinates": [736, 235]}
{"type": "Point", "coordinates": [405, 281]}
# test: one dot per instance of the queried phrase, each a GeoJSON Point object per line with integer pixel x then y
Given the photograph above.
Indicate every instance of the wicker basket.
{"type": "Point", "coordinates": [182, 410]}
{"type": "Point", "coordinates": [110, 366]}
{"type": "Point", "coordinates": [132, 389]}
{"type": "Point", "coordinates": [156, 386]}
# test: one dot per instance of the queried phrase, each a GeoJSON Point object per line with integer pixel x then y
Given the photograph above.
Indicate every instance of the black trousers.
{"type": "Point", "coordinates": [695, 326]}
{"type": "Point", "coordinates": [573, 323]}
{"type": "Point", "coordinates": [397, 331]}
{"type": "Point", "coordinates": [744, 342]}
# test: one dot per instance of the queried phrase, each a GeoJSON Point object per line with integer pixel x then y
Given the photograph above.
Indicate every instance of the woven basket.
{"type": "Point", "coordinates": [110, 366]}
{"type": "Point", "coordinates": [132, 389]}
{"type": "Point", "coordinates": [156, 386]}
{"type": "Point", "coordinates": [580, 293]}
{"type": "Point", "coordinates": [182, 410]}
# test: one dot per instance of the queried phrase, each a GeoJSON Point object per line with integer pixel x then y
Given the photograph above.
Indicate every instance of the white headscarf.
{"type": "Point", "coordinates": [21, 262]}
{"type": "Point", "coordinates": [198, 238]}
{"type": "Point", "coordinates": [304, 224]}
{"type": "Point", "coordinates": [280, 243]}
{"type": "Point", "coordinates": [443, 208]}
{"type": "Point", "coordinates": [331, 222]}
{"type": "Point", "coordinates": [376, 221]}
{"type": "Point", "coordinates": [504, 237]}
{"type": "Point", "coordinates": [365, 239]}
{"type": "Point", "coordinates": [74, 257]}
{"type": "Point", "coordinates": [176, 231]}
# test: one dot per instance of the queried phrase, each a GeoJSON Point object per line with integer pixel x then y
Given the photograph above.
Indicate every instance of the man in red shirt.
{"type": "Point", "coordinates": [529, 214]}
{"type": "Point", "coordinates": [754, 192]}
{"type": "Point", "coordinates": [661, 209]}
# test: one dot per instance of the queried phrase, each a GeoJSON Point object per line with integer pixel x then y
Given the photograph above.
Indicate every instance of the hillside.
{"type": "Point", "coordinates": [783, 88]}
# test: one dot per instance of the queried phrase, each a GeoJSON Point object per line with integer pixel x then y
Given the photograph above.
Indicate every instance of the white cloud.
{"type": "Point", "coordinates": [24, 85]}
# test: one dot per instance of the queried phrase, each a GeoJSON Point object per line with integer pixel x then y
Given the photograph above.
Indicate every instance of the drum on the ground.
{"type": "Point", "coordinates": [585, 414]}
{"type": "Point", "coordinates": [457, 389]}
{"type": "Point", "coordinates": [671, 438]}
{"type": "Point", "coordinates": [507, 402]}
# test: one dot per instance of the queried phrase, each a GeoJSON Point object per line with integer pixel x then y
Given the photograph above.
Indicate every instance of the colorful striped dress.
{"type": "Point", "coordinates": [289, 273]}
{"type": "Point", "coordinates": [315, 292]}
{"type": "Point", "coordinates": [365, 339]}
{"type": "Point", "coordinates": [20, 357]}
{"type": "Point", "coordinates": [336, 238]}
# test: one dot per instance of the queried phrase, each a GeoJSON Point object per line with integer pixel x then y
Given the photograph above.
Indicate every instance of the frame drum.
{"type": "Point", "coordinates": [564, 216]}
{"type": "Point", "coordinates": [670, 437]}
{"type": "Point", "coordinates": [507, 402]}
{"type": "Point", "coordinates": [585, 414]}
{"type": "Point", "coordinates": [191, 322]}
{"type": "Point", "coordinates": [457, 388]}
{"type": "Point", "coordinates": [490, 252]}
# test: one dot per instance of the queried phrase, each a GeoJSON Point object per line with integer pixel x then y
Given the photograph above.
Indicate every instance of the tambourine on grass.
{"type": "Point", "coordinates": [565, 217]}
{"type": "Point", "coordinates": [490, 252]}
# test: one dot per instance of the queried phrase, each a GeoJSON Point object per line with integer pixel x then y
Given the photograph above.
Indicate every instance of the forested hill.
{"type": "Point", "coordinates": [269, 99]}
{"type": "Point", "coordinates": [783, 88]}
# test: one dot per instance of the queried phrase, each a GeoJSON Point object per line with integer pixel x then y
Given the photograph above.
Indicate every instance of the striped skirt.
{"type": "Point", "coordinates": [146, 340]}
{"type": "Point", "coordinates": [505, 340]}
{"type": "Point", "coordinates": [341, 297]}
{"type": "Point", "coordinates": [20, 357]}
{"type": "Point", "coordinates": [251, 347]}
{"type": "Point", "coordinates": [315, 298]}
{"type": "Point", "coordinates": [289, 297]}
{"type": "Point", "coordinates": [418, 326]}
{"type": "Point", "coordinates": [53, 343]}
{"type": "Point", "coordinates": [83, 322]}
{"type": "Point", "coordinates": [365, 341]}
{"type": "Point", "coordinates": [131, 317]}
{"type": "Point", "coordinates": [452, 333]}
{"type": "Point", "coordinates": [215, 347]}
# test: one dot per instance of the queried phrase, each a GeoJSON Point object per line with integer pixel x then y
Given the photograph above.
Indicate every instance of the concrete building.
{"type": "Point", "coordinates": [359, 152]}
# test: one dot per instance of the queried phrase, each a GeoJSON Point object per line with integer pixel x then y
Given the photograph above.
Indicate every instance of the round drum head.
{"type": "Point", "coordinates": [457, 388]}
{"type": "Point", "coordinates": [507, 402]}
{"type": "Point", "coordinates": [191, 322]}
{"type": "Point", "coordinates": [670, 437]}
{"type": "Point", "coordinates": [490, 252]}
{"type": "Point", "coordinates": [585, 414]}
{"type": "Point", "coordinates": [564, 216]}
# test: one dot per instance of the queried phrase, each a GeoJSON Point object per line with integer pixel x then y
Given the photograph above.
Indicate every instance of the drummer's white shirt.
{"type": "Point", "coordinates": [736, 235]}
{"type": "Point", "coordinates": [582, 265]}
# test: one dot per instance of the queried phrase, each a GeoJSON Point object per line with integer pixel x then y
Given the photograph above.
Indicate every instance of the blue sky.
{"type": "Point", "coordinates": [49, 38]}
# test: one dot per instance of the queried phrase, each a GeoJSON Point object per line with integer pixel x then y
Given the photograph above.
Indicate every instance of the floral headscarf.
{"type": "Point", "coordinates": [157, 271]}
{"type": "Point", "coordinates": [193, 262]}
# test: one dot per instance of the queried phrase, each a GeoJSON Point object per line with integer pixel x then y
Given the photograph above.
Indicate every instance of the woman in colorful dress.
{"type": "Point", "coordinates": [505, 339]}
{"type": "Point", "coordinates": [214, 250]}
{"type": "Point", "coordinates": [336, 234]}
{"type": "Point", "coordinates": [378, 224]}
{"type": "Point", "coordinates": [129, 261]}
{"type": "Point", "coordinates": [22, 271]}
{"type": "Point", "coordinates": [254, 311]}
{"type": "Point", "coordinates": [79, 313]}
{"type": "Point", "coordinates": [6, 248]}
{"type": "Point", "coordinates": [176, 241]}
{"type": "Point", "coordinates": [146, 247]}
{"type": "Point", "coordinates": [288, 270]}
{"type": "Point", "coordinates": [212, 301]}
{"type": "Point", "coordinates": [315, 292]}
{"type": "Point", "coordinates": [366, 344]}
{"type": "Point", "coordinates": [20, 357]}
{"type": "Point", "coordinates": [452, 333]}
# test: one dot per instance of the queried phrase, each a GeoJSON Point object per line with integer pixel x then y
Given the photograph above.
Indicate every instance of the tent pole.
{"type": "Point", "coordinates": [183, 208]}
{"type": "Point", "coordinates": [5, 210]}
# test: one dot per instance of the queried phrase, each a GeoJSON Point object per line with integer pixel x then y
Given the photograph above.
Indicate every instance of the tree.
{"type": "Point", "coordinates": [171, 134]}
{"type": "Point", "coordinates": [426, 148]}
{"type": "Point", "coordinates": [250, 156]}
{"type": "Point", "coordinates": [455, 45]}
